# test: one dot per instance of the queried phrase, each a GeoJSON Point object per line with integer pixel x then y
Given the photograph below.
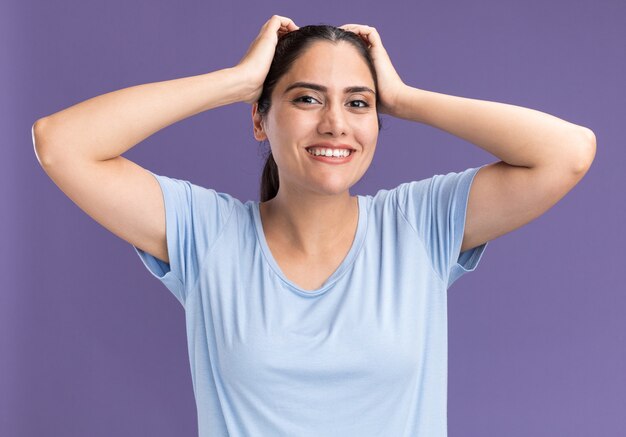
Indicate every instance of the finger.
{"type": "Point", "coordinates": [281, 23]}
{"type": "Point", "coordinates": [367, 33]}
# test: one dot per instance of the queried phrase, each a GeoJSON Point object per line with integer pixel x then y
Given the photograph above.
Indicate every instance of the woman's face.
{"type": "Point", "coordinates": [301, 117]}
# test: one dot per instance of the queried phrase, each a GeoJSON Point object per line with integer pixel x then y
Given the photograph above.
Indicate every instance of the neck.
{"type": "Point", "coordinates": [309, 223]}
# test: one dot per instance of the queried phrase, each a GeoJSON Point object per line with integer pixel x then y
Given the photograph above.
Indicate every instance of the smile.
{"type": "Point", "coordinates": [336, 156]}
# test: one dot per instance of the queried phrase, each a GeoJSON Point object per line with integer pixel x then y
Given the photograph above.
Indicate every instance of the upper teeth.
{"type": "Point", "coordinates": [329, 152]}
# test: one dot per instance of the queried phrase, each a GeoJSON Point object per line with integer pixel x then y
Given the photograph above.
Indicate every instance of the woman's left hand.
{"type": "Point", "coordinates": [390, 86]}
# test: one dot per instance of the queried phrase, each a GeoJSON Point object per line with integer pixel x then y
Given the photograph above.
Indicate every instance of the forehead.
{"type": "Point", "coordinates": [335, 65]}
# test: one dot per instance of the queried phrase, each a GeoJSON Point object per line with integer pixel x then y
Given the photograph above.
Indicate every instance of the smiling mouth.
{"type": "Point", "coordinates": [330, 153]}
{"type": "Point", "coordinates": [325, 159]}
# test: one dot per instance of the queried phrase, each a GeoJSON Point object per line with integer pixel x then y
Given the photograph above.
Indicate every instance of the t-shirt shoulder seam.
{"type": "Point", "coordinates": [419, 237]}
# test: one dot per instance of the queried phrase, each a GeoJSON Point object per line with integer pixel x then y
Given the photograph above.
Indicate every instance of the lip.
{"type": "Point", "coordinates": [332, 146]}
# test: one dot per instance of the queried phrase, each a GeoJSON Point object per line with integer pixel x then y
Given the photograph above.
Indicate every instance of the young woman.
{"type": "Point", "coordinates": [313, 312]}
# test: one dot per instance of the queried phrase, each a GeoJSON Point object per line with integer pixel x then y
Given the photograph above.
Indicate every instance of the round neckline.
{"type": "Point", "coordinates": [339, 271]}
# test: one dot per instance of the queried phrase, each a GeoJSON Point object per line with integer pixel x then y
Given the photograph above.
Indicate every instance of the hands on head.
{"type": "Point", "coordinates": [257, 60]}
{"type": "Point", "coordinates": [390, 85]}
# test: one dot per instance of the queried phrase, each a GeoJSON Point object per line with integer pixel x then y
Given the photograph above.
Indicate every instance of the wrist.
{"type": "Point", "coordinates": [409, 103]}
{"type": "Point", "coordinates": [245, 87]}
{"type": "Point", "coordinates": [232, 84]}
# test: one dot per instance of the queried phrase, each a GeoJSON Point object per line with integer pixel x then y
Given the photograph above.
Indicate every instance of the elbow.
{"type": "Point", "coordinates": [39, 141]}
{"type": "Point", "coordinates": [39, 125]}
{"type": "Point", "coordinates": [588, 153]}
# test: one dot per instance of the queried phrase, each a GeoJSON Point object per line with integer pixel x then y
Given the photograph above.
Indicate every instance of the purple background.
{"type": "Point", "coordinates": [92, 344]}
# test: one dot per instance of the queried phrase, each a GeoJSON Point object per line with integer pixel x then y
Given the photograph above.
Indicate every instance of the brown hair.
{"type": "Point", "coordinates": [289, 47]}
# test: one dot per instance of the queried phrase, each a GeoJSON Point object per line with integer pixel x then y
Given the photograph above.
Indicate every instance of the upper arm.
{"type": "Point", "coordinates": [504, 197]}
{"type": "Point", "coordinates": [122, 196]}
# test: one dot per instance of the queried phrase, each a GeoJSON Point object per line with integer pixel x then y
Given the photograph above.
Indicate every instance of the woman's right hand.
{"type": "Point", "coordinates": [256, 63]}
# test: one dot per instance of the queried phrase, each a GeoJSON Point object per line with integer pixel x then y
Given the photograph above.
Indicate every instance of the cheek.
{"type": "Point", "coordinates": [367, 131]}
{"type": "Point", "coordinates": [295, 131]}
{"type": "Point", "coordinates": [368, 123]}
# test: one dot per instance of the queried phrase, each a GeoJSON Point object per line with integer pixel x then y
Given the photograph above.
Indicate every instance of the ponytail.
{"type": "Point", "coordinates": [269, 179]}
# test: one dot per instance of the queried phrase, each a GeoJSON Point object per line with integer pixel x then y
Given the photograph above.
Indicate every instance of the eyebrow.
{"type": "Point", "coordinates": [314, 86]}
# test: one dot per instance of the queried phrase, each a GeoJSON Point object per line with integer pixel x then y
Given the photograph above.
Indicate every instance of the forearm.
{"type": "Point", "coordinates": [108, 125]}
{"type": "Point", "coordinates": [517, 135]}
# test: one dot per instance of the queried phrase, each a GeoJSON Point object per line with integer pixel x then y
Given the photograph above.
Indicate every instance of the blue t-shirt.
{"type": "Point", "coordinates": [363, 355]}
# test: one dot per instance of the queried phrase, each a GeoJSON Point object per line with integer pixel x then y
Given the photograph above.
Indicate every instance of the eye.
{"type": "Point", "coordinates": [365, 104]}
{"type": "Point", "coordinates": [299, 99]}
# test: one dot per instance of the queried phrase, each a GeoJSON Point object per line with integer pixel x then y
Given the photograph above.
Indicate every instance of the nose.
{"type": "Point", "coordinates": [333, 119]}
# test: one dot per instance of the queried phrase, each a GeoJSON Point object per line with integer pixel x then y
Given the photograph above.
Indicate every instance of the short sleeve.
{"type": "Point", "coordinates": [194, 219]}
{"type": "Point", "coordinates": [436, 209]}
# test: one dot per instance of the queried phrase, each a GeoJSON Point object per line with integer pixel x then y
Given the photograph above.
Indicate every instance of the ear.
{"type": "Point", "coordinates": [259, 131]}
